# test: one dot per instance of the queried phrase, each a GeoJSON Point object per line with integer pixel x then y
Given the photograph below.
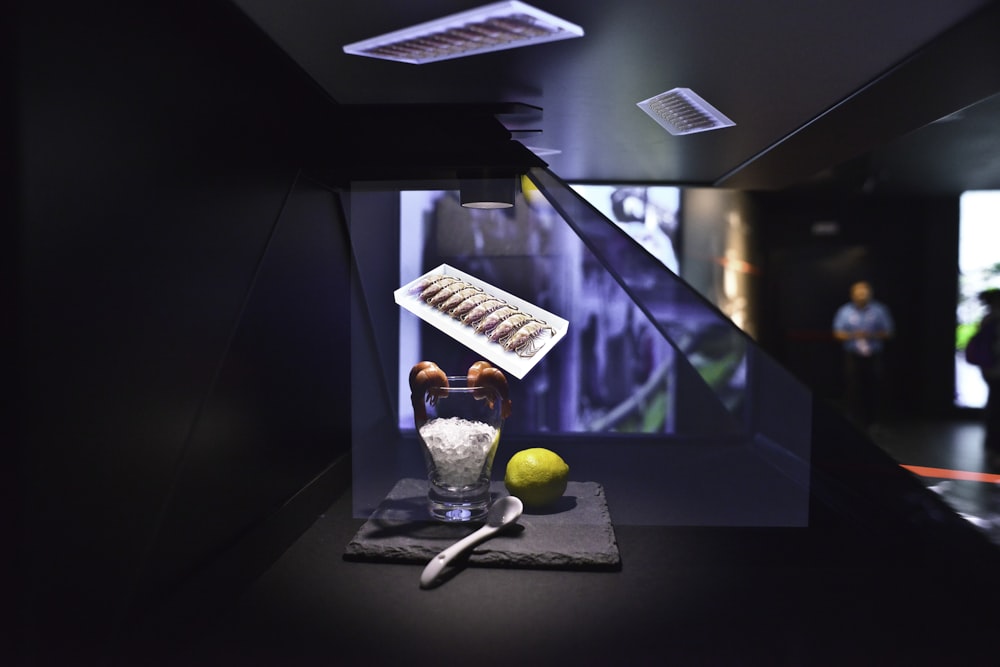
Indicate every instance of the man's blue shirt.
{"type": "Point", "coordinates": [873, 318]}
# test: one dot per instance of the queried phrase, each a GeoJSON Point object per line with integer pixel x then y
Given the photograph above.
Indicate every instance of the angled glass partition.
{"type": "Point", "coordinates": [652, 392]}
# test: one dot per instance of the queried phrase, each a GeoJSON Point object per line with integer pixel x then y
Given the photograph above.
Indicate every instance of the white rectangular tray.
{"type": "Point", "coordinates": [511, 362]}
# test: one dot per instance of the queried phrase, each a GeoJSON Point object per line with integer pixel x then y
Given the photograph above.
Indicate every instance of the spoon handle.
{"type": "Point", "coordinates": [438, 563]}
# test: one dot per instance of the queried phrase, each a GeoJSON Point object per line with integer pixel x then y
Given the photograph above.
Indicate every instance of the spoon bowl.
{"type": "Point", "coordinates": [504, 512]}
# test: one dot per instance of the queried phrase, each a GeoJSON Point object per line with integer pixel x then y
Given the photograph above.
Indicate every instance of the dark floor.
{"type": "Point", "coordinates": [947, 455]}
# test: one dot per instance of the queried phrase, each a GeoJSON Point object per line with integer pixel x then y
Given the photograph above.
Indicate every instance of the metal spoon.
{"type": "Point", "coordinates": [504, 512]}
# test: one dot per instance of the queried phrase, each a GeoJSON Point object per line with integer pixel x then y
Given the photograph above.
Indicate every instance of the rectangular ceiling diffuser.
{"type": "Point", "coordinates": [682, 111]}
{"type": "Point", "coordinates": [495, 27]}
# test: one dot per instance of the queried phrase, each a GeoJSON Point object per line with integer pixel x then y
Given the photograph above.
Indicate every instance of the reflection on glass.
{"type": "Point", "coordinates": [702, 334]}
{"type": "Point", "coordinates": [647, 214]}
{"type": "Point", "coordinates": [653, 391]}
{"type": "Point", "coordinates": [614, 370]}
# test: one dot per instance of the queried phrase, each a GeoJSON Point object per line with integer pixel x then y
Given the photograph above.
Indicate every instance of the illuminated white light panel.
{"type": "Point", "coordinates": [495, 27]}
{"type": "Point", "coordinates": [683, 111]}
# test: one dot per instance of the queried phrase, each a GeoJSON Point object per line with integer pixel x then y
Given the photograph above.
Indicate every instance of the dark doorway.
{"type": "Point", "coordinates": [805, 287]}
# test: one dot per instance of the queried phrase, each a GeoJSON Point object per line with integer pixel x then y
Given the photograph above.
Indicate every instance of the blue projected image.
{"type": "Point", "coordinates": [612, 371]}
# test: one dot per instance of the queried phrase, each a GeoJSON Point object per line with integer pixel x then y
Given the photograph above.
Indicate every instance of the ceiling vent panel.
{"type": "Point", "coordinates": [682, 111]}
{"type": "Point", "coordinates": [495, 27]}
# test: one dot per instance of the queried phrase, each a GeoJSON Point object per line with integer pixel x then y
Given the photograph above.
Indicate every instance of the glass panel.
{"type": "Point", "coordinates": [774, 407]}
{"type": "Point", "coordinates": [613, 371]}
{"type": "Point", "coordinates": [653, 392]}
{"type": "Point", "coordinates": [707, 339]}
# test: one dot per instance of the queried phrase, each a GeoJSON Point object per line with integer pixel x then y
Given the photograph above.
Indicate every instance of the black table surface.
{"type": "Point", "coordinates": [885, 573]}
{"type": "Point", "coordinates": [901, 588]}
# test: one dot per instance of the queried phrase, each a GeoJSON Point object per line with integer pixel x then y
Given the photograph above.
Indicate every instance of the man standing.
{"type": "Point", "coordinates": [863, 325]}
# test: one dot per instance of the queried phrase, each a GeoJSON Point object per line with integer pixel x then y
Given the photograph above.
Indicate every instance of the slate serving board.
{"type": "Point", "coordinates": [576, 533]}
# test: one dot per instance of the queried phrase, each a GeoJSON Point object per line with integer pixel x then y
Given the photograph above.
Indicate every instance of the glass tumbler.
{"type": "Point", "coordinates": [459, 436]}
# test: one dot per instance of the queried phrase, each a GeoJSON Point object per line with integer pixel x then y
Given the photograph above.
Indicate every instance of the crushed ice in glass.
{"type": "Point", "coordinates": [459, 448]}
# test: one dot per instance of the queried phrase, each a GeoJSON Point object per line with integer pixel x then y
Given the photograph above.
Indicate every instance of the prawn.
{"type": "Point", "coordinates": [508, 326]}
{"type": "Point", "coordinates": [484, 374]}
{"type": "Point", "coordinates": [436, 286]}
{"type": "Point", "coordinates": [458, 297]}
{"type": "Point", "coordinates": [526, 341]}
{"type": "Point", "coordinates": [426, 379]}
{"type": "Point", "coordinates": [447, 292]}
{"type": "Point", "coordinates": [478, 312]}
{"type": "Point", "coordinates": [426, 282]}
{"type": "Point", "coordinates": [488, 323]}
{"type": "Point", "coordinates": [468, 303]}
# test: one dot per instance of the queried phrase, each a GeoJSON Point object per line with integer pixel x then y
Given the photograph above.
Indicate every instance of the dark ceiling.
{"type": "Point", "coordinates": [829, 93]}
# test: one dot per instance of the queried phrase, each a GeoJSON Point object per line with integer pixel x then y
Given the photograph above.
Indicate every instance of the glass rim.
{"type": "Point", "coordinates": [465, 387]}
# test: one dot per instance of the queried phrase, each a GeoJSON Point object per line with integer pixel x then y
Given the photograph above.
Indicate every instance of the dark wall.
{"type": "Point", "coordinates": [906, 246]}
{"type": "Point", "coordinates": [182, 306]}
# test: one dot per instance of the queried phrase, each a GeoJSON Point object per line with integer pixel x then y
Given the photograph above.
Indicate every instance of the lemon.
{"type": "Point", "coordinates": [537, 476]}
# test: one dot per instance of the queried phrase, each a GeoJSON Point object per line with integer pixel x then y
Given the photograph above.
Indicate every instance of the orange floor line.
{"type": "Point", "coordinates": [944, 473]}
